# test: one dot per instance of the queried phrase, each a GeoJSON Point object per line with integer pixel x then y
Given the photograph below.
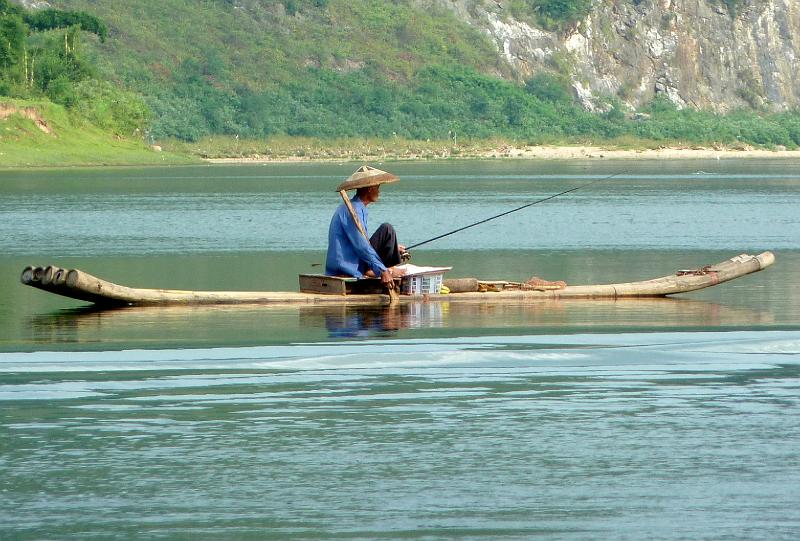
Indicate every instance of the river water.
{"type": "Point", "coordinates": [653, 419]}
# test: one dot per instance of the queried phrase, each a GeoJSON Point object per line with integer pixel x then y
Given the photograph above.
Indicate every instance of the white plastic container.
{"type": "Point", "coordinates": [422, 280]}
{"type": "Point", "coordinates": [422, 284]}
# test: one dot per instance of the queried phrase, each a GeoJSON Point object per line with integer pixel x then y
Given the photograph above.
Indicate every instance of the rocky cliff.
{"type": "Point", "coordinates": [697, 53]}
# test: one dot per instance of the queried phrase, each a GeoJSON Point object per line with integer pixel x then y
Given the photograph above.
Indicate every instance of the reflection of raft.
{"type": "Point", "coordinates": [79, 285]}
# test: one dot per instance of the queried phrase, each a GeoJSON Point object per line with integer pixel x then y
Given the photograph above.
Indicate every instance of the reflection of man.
{"type": "Point", "coordinates": [365, 322]}
{"type": "Point", "coordinates": [349, 252]}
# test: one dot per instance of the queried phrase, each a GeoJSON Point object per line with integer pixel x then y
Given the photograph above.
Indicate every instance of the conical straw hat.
{"type": "Point", "coordinates": [366, 176]}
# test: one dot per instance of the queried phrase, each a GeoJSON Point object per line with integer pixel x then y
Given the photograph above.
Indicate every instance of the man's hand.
{"type": "Point", "coordinates": [389, 275]}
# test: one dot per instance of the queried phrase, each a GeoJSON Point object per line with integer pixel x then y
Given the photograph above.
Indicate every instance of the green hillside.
{"type": "Point", "coordinates": [327, 70]}
{"type": "Point", "coordinates": [298, 67]}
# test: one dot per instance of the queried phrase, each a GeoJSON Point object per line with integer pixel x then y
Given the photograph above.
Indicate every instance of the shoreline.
{"type": "Point", "coordinates": [307, 153]}
{"type": "Point", "coordinates": [542, 152]}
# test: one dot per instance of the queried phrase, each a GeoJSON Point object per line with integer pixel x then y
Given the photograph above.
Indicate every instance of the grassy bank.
{"type": "Point", "coordinates": [42, 134]}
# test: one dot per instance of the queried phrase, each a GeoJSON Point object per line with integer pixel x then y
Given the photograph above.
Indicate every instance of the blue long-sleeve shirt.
{"type": "Point", "coordinates": [349, 253]}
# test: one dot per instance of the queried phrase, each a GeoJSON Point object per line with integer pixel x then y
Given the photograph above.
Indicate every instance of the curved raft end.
{"type": "Point", "coordinates": [765, 259]}
{"type": "Point", "coordinates": [681, 282]}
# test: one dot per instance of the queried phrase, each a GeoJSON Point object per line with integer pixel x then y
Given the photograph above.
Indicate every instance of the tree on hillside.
{"type": "Point", "coordinates": [12, 37]}
{"type": "Point", "coordinates": [35, 60]}
{"type": "Point", "coordinates": [7, 7]}
{"type": "Point", "coordinates": [553, 14]}
{"type": "Point", "coordinates": [40, 56]}
{"type": "Point", "coordinates": [51, 19]}
{"type": "Point", "coordinates": [12, 40]}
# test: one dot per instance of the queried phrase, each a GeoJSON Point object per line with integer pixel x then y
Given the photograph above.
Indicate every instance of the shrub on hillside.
{"type": "Point", "coordinates": [110, 107]}
{"type": "Point", "coordinates": [552, 14]}
{"type": "Point", "coordinates": [549, 87]}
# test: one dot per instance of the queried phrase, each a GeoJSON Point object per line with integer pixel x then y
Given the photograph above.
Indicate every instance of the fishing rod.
{"type": "Point", "coordinates": [516, 209]}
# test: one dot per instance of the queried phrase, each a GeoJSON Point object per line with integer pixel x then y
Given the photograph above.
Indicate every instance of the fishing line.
{"type": "Point", "coordinates": [515, 210]}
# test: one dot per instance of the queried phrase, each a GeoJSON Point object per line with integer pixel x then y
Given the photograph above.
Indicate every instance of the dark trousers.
{"type": "Point", "coordinates": [384, 240]}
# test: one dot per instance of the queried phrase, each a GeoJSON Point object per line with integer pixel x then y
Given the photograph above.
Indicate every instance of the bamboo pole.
{"type": "Point", "coordinates": [60, 277]}
{"type": "Point", "coordinates": [353, 215]}
{"type": "Point", "coordinates": [49, 278]}
{"type": "Point", "coordinates": [27, 275]}
{"type": "Point", "coordinates": [47, 275]}
{"type": "Point", "coordinates": [83, 286]}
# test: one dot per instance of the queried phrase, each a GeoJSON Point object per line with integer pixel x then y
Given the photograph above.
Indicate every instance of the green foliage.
{"type": "Point", "coordinates": [703, 127]}
{"type": "Point", "coordinates": [438, 100]}
{"type": "Point", "coordinates": [552, 14]}
{"type": "Point", "coordinates": [107, 106]}
{"type": "Point", "coordinates": [13, 33]}
{"type": "Point", "coordinates": [293, 7]}
{"type": "Point", "coordinates": [9, 8]}
{"type": "Point", "coordinates": [731, 5]}
{"type": "Point", "coordinates": [51, 19]}
{"type": "Point", "coordinates": [667, 20]}
{"type": "Point", "coordinates": [660, 104]}
{"type": "Point", "coordinates": [259, 70]}
{"type": "Point", "coordinates": [749, 89]}
{"type": "Point", "coordinates": [40, 56]}
{"type": "Point", "coordinates": [561, 62]}
{"type": "Point", "coordinates": [55, 66]}
{"type": "Point", "coordinates": [549, 87]}
{"type": "Point", "coordinates": [559, 13]}
{"type": "Point", "coordinates": [12, 42]}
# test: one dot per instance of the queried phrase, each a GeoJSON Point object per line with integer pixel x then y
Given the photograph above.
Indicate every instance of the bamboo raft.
{"type": "Point", "coordinates": [77, 284]}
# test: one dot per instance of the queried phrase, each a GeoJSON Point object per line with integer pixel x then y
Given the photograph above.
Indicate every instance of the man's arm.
{"type": "Point", "coordinates": [363, 248]}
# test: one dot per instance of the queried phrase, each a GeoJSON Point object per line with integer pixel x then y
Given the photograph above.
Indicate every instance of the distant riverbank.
{"type": "Point", "coordinates": [544, 152]}
{"type": "Point", "coordinates": [75, 146]}
{"type": "Point", "coordinates": [284, 149]}
{"type": "Point", "coordinates": [42, 134]}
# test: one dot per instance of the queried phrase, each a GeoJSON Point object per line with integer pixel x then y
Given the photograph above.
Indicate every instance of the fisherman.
{"type": "Point", "coordinates": [349, 252]}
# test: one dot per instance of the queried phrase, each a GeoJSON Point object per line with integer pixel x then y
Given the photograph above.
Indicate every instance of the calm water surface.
{"type": "Point", "coordinates": [658, 419]}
